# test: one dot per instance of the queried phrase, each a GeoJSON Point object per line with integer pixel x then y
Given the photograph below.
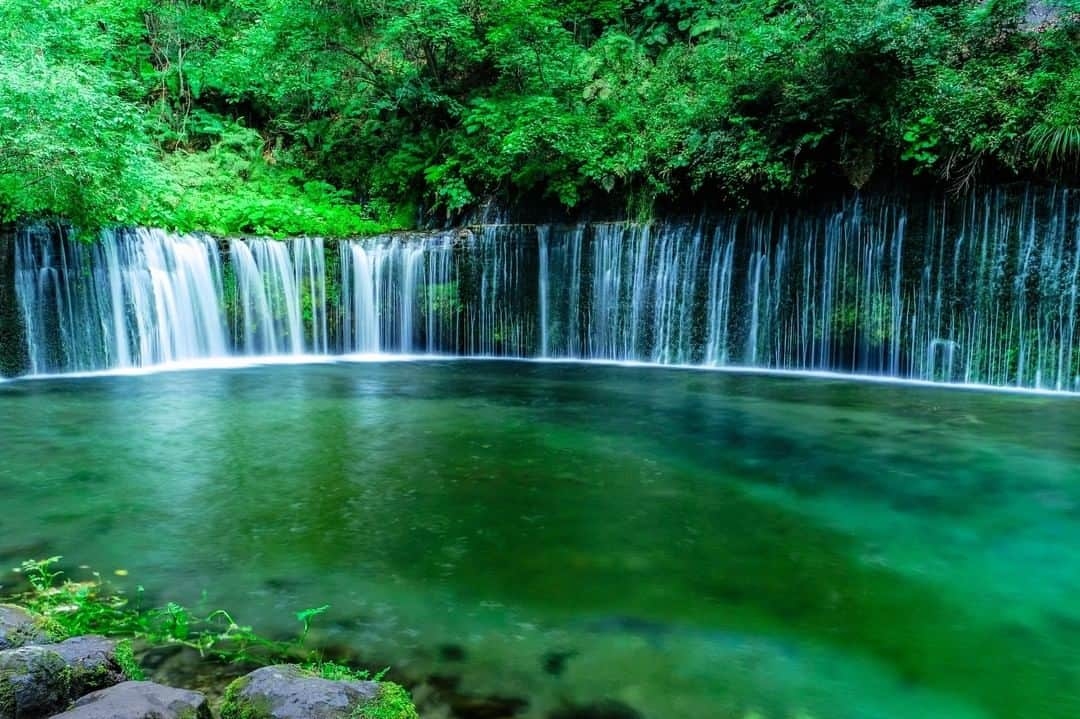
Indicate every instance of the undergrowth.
{"type": "Point", "coordinates": [74, 608]}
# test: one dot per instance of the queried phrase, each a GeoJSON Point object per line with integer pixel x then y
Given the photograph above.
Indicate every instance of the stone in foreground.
{"type": "Point", "coordinates": [37, 681]}
{"type": "Point", "coordinates": [287, 691]}
{"type": "Point", "coordinates": [139, 700]}
{"type": "Point", "coordinates": [19, 627]}
{"type": "Point", "coordinates": [92, 663]}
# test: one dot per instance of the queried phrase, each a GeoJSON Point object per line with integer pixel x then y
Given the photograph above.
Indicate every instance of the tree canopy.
{"type": "Point", "coordinates": [341, 117]}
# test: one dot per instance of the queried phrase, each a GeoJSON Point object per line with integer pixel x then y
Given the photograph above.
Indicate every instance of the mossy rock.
{"type": "Point", "coordinates": [42, 680]}
{"type": "Point", "coordinates": [34, 681]}
{"type": "Point", "coordinates": [287, 691]}
{"type": "Point", "coordinates": [93, 663]}
{"type": "Point", "coordinates": [20, 627]}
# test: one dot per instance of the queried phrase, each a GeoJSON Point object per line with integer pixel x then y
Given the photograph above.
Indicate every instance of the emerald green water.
{"type": "Point", "coordinates": [693, 544]}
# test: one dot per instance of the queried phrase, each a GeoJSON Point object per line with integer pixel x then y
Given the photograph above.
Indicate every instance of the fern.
{"type": "Point", "coordinates": [1055, 146]}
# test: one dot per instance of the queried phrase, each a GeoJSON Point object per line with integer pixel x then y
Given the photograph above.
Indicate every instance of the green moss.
{"type": "Point", "coordinates": [7, 695]}
{"type": "Point", "coordinates": [36, 629]}
{"type": "Point", "coordinates": [334, 671]}
{"type": "Point", "coordinates": [65, 680]}
{"type": "Point", "coordinates": [235, 706]}
{"type": "Point", "coordinates": [392, 702]}
{"type": "Point", "coordinates": [229, 704]}
{"type": "Point", "coordinates": [96, 677]}
{"type": "Point", "coordinates": [51, 628]}
{"type": "Point", "coordinates": [100, 610]}
{"type": "Point", "coordinates": [125, 658]}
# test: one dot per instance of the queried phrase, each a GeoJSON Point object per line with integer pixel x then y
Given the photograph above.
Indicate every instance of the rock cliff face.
{"type": "Point", "coordinates": [13, 359]}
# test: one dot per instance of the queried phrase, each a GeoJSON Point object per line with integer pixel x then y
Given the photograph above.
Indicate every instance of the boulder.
{"type": "Point", "coordinates": [92, 663]}
{"type": "Point", "coordinates": [33, 682]}
{"type": "Point", "coordinates": [139, 700]}
{"type": "Point", "coordinates": [286, 691]}
{"type": "Point", "coordinates": [19, 627]}
{"type": "Point", "coordinates": [36, 681]}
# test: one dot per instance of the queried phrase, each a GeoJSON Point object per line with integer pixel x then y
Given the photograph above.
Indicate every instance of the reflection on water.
{"type": "Point", "coordinates": [691, 544]}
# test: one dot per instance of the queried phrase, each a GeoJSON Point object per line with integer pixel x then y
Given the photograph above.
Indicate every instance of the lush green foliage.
{"type": "Point", "coordinates": [392, 702]}
{"type": "Point", "coordinates": [98, 124]}
{"type": "Point", "coordinates": [69, 608]}
{"type": "Point", "coordinates": [291, 116]}
{"type": "Point", "coordinates": [92, 607]}
{"type": "Point", "coordinates": [74, 608]}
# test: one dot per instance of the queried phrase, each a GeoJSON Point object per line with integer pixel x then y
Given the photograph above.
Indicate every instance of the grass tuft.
{"type": "Point", "coordinates": [1055, 146]}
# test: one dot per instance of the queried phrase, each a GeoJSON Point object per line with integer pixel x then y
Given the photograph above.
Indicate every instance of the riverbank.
{"type": "Point", "coordinates": [82, 650]}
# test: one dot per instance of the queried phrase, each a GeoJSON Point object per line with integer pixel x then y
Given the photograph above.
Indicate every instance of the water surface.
{"type": "Point", "coordinates": [689, 543]}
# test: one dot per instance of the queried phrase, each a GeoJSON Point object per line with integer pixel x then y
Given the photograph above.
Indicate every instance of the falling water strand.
{"type": "Point", "coordinates": [543, 285]}
{"type": "Point", "coordinates": [980, 289]}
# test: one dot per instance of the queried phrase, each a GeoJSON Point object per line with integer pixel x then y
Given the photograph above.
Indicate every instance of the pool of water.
{"type": "Point", "coordinates": [691, 544]}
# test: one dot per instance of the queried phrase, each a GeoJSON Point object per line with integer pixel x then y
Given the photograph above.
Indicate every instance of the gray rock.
{"type": "Point", "coordinates": [1043, 14]}
{"type": "Point", "coordinates": [33, 683]}
{"type": "Point", "coordinates": [36, 681]}
{"type": "Point", "coordinates": [139, 700]}
{"type": "Point", "coordinates": [286, 691]}
{"type": "Point", "coordinates": [19, 627]}
{"type": "Point", "coordinates": [92, 661]}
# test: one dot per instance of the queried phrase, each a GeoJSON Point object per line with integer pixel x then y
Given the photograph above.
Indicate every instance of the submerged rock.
{"type": "Point", "coordinates": [19, 627]}
{"type": "Point", "coordinates": [287, 691]}
{"type": "Point", "coordinates": [452, 652]}
{"type": "Point", "coordinates": [139, 700]}
{"type": "Point", "coordinates": [37, 681]}
{"type": "Point", "coordinates": [554, 662]}
{"type": "Point", "coordinates": [184, 667]}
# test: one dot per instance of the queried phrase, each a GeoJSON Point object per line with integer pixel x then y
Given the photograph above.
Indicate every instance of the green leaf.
{"type": "Point", "coordinates": [307, 615]}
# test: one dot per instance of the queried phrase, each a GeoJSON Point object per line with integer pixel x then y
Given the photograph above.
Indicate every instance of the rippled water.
{"type": "Point", "coordinates": [689, 543]}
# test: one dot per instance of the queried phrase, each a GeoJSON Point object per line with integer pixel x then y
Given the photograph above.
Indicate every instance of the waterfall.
{"type": "Point", "coordinates": [281, 290]}
{"type": "Point", "coordinates": [978, 289]}
{"type": "Point", "coordinates": [543, 284]}
{"type": "Point", "coordinates": [498, 291]}
{"type": "Point", "coordinates": [309, 257]}
{"type": "Point", "coordinates": [413, 258]}
{"type": "Point", "coordinates": [718, 306]}
{"type": "Point", "coordinates": [361, 324]}
{"type": "Point", "coordinates": [560, 287]}
{"type": "Point", "coordinates": [132, 299]}
{"type": "Point", "coordinates": [398, 295]}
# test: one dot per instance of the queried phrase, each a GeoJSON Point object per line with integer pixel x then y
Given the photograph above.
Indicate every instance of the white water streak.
{"type": "Point", "coordinates": [985, 290]}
